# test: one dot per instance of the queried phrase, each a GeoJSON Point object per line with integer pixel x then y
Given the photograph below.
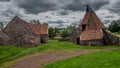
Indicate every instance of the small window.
{"type": "Point", "coordinates": [83, 27]}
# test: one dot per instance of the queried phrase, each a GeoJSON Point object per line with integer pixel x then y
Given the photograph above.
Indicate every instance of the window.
{"type": "Point", "coordinates": [83, 27]}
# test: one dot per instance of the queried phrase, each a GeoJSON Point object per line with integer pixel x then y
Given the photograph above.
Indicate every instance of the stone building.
{"type": "Point", "coordinates": [1, 26]}
{"type": "Point", "coordinates": [25, 34]}
{"type": "Point", "coordinates": [91, 31]}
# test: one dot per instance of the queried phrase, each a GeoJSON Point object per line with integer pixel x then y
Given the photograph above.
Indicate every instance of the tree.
{"type": "Point", "coordinates": [52, 33]}
{"type": "Point", "coordinates": [71, 28]}
{"type": "Point", "coordinates": [114, 26]}
{"type": "Point", "coordinates": [65, 33]}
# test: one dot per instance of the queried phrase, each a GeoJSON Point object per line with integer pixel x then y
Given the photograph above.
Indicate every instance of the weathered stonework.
{"type": "Point", "coordinates": [91, 32]}
{"type": "Point", "coordinates": [110, 39]}
{"type": "Point", "coordinates": [4, 39]}
{"type": "Point", "coordinates": [23, 35]}
{"type": "Point", "coordinates": [92, 42]}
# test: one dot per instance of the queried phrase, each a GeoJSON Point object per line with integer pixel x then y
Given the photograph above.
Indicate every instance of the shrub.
{"type": "Point", "coordinates": [65, 33]}
{"type": "Point", "coordinates": [114, 26]}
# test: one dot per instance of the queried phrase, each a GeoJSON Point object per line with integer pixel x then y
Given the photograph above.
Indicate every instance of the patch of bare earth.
{"type": "Point", "coordinates": [39, 60]}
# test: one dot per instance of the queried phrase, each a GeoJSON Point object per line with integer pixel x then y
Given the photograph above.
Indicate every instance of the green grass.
{"type": "Point", "coordinates": [116, 33]}
{"type": "Point", "coordinates": [8, 53]}
{"type": "Point", "coordinates": [95, 60]}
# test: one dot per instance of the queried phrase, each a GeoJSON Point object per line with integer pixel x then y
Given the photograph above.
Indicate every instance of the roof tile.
{"type": "Point", "coordinates": [91, 34]}
{"type": "Point", "coordinates": [38, 28]}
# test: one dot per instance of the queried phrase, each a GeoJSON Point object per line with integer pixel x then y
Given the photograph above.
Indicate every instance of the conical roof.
{"type": "Point", "coordinates": [93, 26]}
{"type": "Point", "coordinates": [91, 20]}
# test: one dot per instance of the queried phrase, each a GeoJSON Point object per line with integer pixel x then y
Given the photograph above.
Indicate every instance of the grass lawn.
{"type": "Point", "coordinates": [116, 33]}
{"type": "Point", "coordinates": [95, 60]}
{"type": "Point", "coordinates": [8, 53]}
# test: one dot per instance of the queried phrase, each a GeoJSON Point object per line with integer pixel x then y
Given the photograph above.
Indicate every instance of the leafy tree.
{"type": "Point", "coordinates": [52, 33]}
{"type": "Point", "coordinates": [71, 28]}
{"type": "Point", "coordinates": [57, 31]}
{"type": "Point", "coordinates": [114, 26]}
{"type": "Point", "coordinates": [65, 33]}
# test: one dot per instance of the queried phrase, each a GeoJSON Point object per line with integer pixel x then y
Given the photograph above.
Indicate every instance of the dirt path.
{"type": "Point", "coordinates": [41, 59]}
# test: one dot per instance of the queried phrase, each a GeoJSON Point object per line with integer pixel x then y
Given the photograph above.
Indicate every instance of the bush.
{"type": "Point", "coordinates": [64, 40]}
{"type": "Point", "coordinates": [114, 26]}
{"type": "Point", "coordinates": [65, 33]}
{"type": "Point", "coordinates": [52, 32]}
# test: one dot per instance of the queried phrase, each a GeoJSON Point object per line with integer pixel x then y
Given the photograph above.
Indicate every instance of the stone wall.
{"type": "Point", "coordinates": [4, 39]}
{"type": "Point", "coordinates": [1, 26]}
{"type": "Point", "coordinates": [21, 35]}
{"type": "Point", "coordinates": [110, 39]}
{"type": "Point", "coordinates": [92, 42]}
{"type": "Point", "coordinates": [74, 36]}
{"type": "Point", "coordinates": [44, 38]}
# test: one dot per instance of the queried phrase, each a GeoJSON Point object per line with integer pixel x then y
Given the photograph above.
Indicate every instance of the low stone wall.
{"type": "Point", "coordinates": [92, 43]}
{"type": "Point", "coordinates": [64, 40]}
{"type": "Point", "coordinates": [110, 39]}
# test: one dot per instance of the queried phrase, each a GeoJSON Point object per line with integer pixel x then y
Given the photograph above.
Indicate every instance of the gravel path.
{"type": "Point", "coordinates": [39, 60]}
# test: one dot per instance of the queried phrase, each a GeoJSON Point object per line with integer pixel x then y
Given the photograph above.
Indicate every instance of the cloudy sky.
{"type": "Point", "coordinates": [59, 13]}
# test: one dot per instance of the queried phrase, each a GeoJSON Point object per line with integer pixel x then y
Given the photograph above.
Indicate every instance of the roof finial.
{"type": "Point", "coordinates": [88, 8]}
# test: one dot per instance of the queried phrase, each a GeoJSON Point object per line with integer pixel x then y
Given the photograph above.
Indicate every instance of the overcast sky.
{"type": "Point", "coordinates": [59, 13]}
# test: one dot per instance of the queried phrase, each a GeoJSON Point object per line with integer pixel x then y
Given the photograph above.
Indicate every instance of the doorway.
{"type": "Point", "coordinates": [78, 40]}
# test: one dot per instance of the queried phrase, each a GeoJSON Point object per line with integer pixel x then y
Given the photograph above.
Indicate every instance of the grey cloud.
{"type": "Point", "coordinates": [76, 23]}
{"type": "Point", "coordinates": [115, 7]}
{"type": "Point", "coordinates": [11, 13]}
{"type": "Point", "coordinates": [37, 6]}
{"type": "Point", "coordinates": [5, 23]}
{"type": "Point", "coordinates": [58, 25]}
{"type": "Point", "coordinates": [99, 3]}
{"type": "Point", "coordinates": [61, 26]}
{"type": "Point", "coordinates": [5, 0]}
{"type": "Point", "coordinates": [7, 13]}
{"type": "Point", "coordinates": [109, 16]}
{"type": "Point", "coordinates": [48, 17]}
{"type": "Point", "coordinates": [77, 5]}
{"type": "Point", "coordinates": [106, 21]}
{"type": "Point", "coordinates": [58, 21]}
{"type": "Point", "coordinates": [63, 12]}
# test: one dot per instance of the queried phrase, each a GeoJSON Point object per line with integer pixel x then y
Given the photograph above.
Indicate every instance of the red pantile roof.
{"type": "Point", "coordinates": [38, 28]}
{"type": "Point", "coordinates": [91, 34]}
